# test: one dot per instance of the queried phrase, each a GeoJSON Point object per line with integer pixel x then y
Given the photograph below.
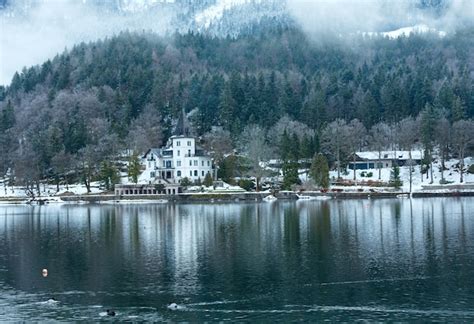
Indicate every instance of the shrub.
{"type": "Point", "coordinates": [208, 181]}
{"type": "Point", "coordinates": [185, 182]}
{"type": "Point", "coordinates": [246, 184]}
{"type": "Point", "coordinates": [471, 169]}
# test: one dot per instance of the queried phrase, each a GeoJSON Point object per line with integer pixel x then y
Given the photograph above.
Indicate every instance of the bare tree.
{"type": "Point", "coordinates": [408, 135]}
{"type": "Point", "coordinates": [254, 145]}
{"type": "Point", "coordinates": [219, 143]}
{"type": "Point", "coordinates": [61, 165]}
{"type": "Point", "coordinates": [289, 125]}
{"type": "Point", "coordinates": [89, 160]}
{"type": "Point", "coordinates": [146, 131]}
{"type": "Point", "coordinates": [27, 170]}
{"type": "Point", "coordinates": [380, 138]}
{"type": "Point", "coordinates": [463, 135]}
{"type": "Point", "coordinates": [356, 139]}
{"type": "Point", "coordinates": [334, 141]}
{"type": "Point", "coordinates": [443, 139]}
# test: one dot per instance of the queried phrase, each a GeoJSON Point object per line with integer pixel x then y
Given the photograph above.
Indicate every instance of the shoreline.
{"type": "Point", "coordinates": [229, 197]}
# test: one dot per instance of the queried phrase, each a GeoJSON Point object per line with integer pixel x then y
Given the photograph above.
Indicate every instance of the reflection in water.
{"type": "Point", "coordinates": [236, 261]}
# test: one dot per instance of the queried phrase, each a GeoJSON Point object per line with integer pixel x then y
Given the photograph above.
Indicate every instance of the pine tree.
{"type": "Point", "coordinates": [285, 145]}
{"type": "Point", "coordinates": [109, 175]}
{"type": "Point", "coordinates": [458, 109]}
{"type": "Point", "coordinates": [7, 117]}
{"type": "Point", "coordinates": [134, 168]}
{"type": "Point", "coordinates": [319, 171]}
{"type": "Point", "coordinates": [395, 180]}
{"type": "Point", "coordinates": [228, 108]}
{"type": "Point", "coordinates": [295, 147]}
{"type": "Point", "coordinates": [290, 174]}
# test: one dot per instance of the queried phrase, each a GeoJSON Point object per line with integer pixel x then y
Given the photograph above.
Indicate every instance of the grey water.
{"type": "Point", "coordinates": [340, 260]}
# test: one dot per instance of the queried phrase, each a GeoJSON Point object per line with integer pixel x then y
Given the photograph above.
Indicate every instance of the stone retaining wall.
{"type": "Point", "coordinates": [256, 196]}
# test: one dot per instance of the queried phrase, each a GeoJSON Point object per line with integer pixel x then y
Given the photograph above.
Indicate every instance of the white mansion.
{"type": "Point", "coordinates": [180, 158]}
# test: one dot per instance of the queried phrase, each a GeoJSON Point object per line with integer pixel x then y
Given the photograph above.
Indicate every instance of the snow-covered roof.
{"type": "Point", "coordinates": [155, 151]}
{"type": "Point", "coordinates": [390, 155]}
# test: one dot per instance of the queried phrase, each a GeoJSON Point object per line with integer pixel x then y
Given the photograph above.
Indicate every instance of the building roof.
{"type": "Point", "coordinates": [390, 155]}
{"type": "Point", "coordinates": [154, 151]}
{"type": "Point", "coordinates": [183, 127]}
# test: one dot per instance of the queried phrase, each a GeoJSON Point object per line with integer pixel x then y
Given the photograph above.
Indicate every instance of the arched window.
{"type": "Point", "coordinates": [179, 173]}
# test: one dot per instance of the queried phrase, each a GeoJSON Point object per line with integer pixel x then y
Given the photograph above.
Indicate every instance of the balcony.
{"type": "Point", "coordinates": [162, 168]}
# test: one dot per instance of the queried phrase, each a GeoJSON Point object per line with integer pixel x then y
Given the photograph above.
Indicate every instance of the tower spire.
{"type": "Point", "coordinates": [182, 127]}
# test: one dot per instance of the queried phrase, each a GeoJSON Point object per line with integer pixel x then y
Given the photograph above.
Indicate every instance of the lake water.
{"type": "Point", "coordinates": [342, 260]}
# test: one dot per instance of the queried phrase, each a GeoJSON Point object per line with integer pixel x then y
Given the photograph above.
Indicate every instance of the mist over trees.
{"type": "Point", "coordinates": [88, 104]}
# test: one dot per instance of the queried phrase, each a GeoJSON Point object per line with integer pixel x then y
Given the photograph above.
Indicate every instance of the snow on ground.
{"type": "Point", "coordinates": [224, 188]}
{"type": "Point", "coordinates": [451, 175]}
{"type": "Point", "coordinates": [407, 31]}
{"type": "Point", "coordinates": [48, 190]}
{"type": "Point", "coordinates": [214, 12]}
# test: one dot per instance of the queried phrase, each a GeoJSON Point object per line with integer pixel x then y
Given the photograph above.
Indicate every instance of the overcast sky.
{"type": "Point", "coordinates": [57, 24]}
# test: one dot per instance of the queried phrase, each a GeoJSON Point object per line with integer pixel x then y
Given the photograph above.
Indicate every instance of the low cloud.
{"type": "Point", "coordinates": [51, 26]}
{"type": "Point", "coordinates": [33, 36]}
{"type": "Point", "coordinates": [319, 17]}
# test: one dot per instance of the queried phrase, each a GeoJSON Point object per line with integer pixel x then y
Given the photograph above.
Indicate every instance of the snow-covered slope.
{"type": "Point", "coordinates": [407, 31]}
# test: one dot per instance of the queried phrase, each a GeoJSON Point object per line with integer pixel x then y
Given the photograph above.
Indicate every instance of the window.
{"type": "Point", "coordinates": [202, 163]}
{"type": "Point", "coordinates": [190, 163]}
{"type": "Point", "coordinates": [189, 143]}
{"type": "Point", "coordinates": [179, 153]}
{"type": "Point", "coordinates": [190, 173]}
{"type": "Point", "coordinates": [168, 164]}
{"type": "Point", "coordinates": [152, 174]}
{"type": "Point", "coordinates": [164, 164]}
{"type": "Point", "coordinates": [178, 163]}
{"type": "Point", "coordinates": [178, 143]}
{"type": "Point", "coordinates": [189, 152]}
{"type": "Point", "coordinates": [178, 173]}
{"type": "Point", "coordinates": [208, 163]}
{"type": "Point", "coordinates": [195, 162]}
{"type": "Point", "coordinates": [203, 173]}
{"type": "Point", "coordinates": [195, 173]}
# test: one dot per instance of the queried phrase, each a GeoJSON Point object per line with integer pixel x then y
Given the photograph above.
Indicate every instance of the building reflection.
{"type": "Point", "coordinates": [181, 249]}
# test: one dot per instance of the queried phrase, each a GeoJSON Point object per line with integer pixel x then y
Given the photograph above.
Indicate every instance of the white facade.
{"type": "Point", "coordinates": [181, 158]}
{"type": "Point", "coordinates": [372, 160]}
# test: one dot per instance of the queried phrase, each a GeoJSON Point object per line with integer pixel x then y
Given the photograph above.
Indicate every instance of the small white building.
{"type": "Point", "coordinates": [180, 158]}
{"type": "Point", "coordinates": [372, 160]}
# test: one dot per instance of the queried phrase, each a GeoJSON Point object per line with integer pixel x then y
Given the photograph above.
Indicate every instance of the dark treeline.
{"type": "Point", "coordinates": [126, 92]}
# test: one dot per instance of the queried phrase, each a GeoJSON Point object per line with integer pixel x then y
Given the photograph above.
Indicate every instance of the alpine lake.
{"type": "Point", "coordinates": [336, 260]}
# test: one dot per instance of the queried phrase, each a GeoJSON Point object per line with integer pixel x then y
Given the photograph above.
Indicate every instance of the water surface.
{"type": "Point", "coordinates": [333, 260]}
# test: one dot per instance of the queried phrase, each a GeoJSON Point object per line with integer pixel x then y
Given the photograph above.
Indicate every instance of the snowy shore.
{"type": "Point", "coordinates": [421, 187]}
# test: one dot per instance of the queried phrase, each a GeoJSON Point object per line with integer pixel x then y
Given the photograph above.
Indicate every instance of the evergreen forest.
{"type": "Point", "coordinates": [95, 100]}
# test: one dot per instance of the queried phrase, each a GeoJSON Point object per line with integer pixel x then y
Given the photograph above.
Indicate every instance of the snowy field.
{"type": "Point", "coordinates": [451, 175]}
